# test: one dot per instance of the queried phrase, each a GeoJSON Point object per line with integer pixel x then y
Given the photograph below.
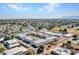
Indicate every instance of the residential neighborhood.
{"type": "Point", "coordinates": [28, 39]}
{"type": "Point", "coordinates": [39, 29]}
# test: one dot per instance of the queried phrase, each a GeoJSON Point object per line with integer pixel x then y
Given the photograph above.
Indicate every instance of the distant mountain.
{"type": "Point", "coordinates": [70, 17]}
{"type": "Point", "coordinates": [60, 18]}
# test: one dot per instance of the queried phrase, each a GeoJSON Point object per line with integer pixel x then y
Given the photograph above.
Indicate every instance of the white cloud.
{"type": "Point", "coordinates": [40, 9]}
{"type": "Point", "coordinates": [17, 7]}
{"type": "Point", "coordinates": [25, 9]}
{"type": "Point", "coordinates": [13, 6]}
{"type": "Point", "coordinates": [49, 8]}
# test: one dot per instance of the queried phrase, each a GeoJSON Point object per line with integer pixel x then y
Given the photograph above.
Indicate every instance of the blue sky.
{"type": "Point", "coordinates": [38, 10]}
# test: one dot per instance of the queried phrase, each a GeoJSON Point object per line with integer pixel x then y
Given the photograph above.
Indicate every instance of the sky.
{"type": "Point", "coordinates": [37, 10]}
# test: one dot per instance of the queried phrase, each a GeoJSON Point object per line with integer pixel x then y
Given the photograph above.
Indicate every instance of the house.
{"type": "Point", "coordinates": [68, 36]}
{"type": "Point", "coordinates": [1, 39]}
{"type": "Point", "coordinates": [76, 27]}
{"type": "Point", "coordinates": [53, 34]}
{"type": "Point", "coordinates": [15, 51]}
{"type": "Point", "coordinates": [64, 26]}
{"type": "Point", "coordinates": [20, 36]}
{"type": "Point", "coordinates": [40, 42]}
{"type": "Point", "coordinates": [61, 51]}
{"type": "Point", "coordinates": [11, 43]}
{"type": "Point", "coordinates": [43, 30]}
{"type": "Point", "coordinates": [77, 53]}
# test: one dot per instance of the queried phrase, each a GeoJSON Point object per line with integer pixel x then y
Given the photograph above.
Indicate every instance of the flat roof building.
{"type": "Point", "coordinates": [1, 39]}
{"type": "Point", "coordinates": [61, 51]}
{"type": "Point", "coordinates": [15, 51]}
{"type": "Point", "coordinates": [11, 43]}
{"type": "Point", "coordinates": [53, 33]}
{"type": "Point", "coordinates": [68, 36]}
{"type": "Point", "coordinates": [76, 27]}
{"type": "Point", "coordinates": [77, 53]}
{"type": "Point", "coordinates": [38, 39]}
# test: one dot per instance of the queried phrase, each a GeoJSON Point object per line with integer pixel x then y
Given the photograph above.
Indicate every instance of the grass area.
{"type": "Point", "coordinates": [2, 49]}
{"type": "Point", "coordinates": [56, 29]}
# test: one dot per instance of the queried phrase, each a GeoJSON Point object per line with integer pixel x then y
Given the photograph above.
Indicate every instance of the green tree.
{"type": "Point", "coordinates": [72, 52]}
{"type": "Point", "coordinates": [7, 38]}
{"type": "Point", "coordinates": [69, 42]}
{"type": "Point", "coordinates": [72, 26]}
{"type": "Point", "coordinates": [21, 29]}
{"type": "Point", "coordinates": [49, 45]}
{"type": "Point", "coordinates": [2, 49]}
{"type": "Point", "coordinates": [12, 36]}
{"type": "Point", "coordinates": [75, 37]}
{"type": "Point", "coordinates": [30, 52]}
{"type": "Point", "coordinates": [40, 27]}
{"type": "Point", "coordinates": [60, 30]}
{"type": "Point", "coordinates": [65, 31]}
{"type": "Point", "coordinates": [40, 49]}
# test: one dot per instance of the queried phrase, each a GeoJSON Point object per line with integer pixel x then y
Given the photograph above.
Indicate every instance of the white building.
{"type": "Point", "coordinates": [53, 34]}
{"type": "Point", "coordinates": [1, 39]}
{"type": "Point", "coordinates": [68, 36]}
{"type": "Point", "coordinates": [15, 51]}
{"type": "Point", "coordinates": [36, 41]}
{"type": "Point", "coordinates": [75, 41]}
{"type": "Point", "coordinates": [20, 36]}
{"type": "Point", "coordinates": [64, 26]}
{"type": "Point", "coordinates": [77, 54]}
{"type": "Point", "coordinates": [77, 27]}
{"type": "Point", "coordinates": [61, 51]}
{"type": "Point", "coordinates": [11, 43]}
{"type": "Point", "coordinates": [43, 30]}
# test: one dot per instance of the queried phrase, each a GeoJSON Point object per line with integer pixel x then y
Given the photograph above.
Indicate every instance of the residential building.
{"type": "Point", "coordinates": [68, 36]}
{"type": "Point", "coordinates": [77, 53]}
{"type": "Point", "coordinates": [11, 43]}
{"type": "Point", "coordinates": [1, 39]}
{"type": "Point", "coordinates": [53, 34]}
{"type": "Point", "coordinates": [15, 51]}
{"type": "Point", "coordinates": [36, 39]}
{"type": "Point", "coordinates": [61, 51]}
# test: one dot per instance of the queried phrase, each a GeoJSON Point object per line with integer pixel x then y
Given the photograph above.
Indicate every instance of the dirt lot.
{"type": "Point", "coordinates": [73, 31]}
{"type": "Point", "coordinates": [70, 30]}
